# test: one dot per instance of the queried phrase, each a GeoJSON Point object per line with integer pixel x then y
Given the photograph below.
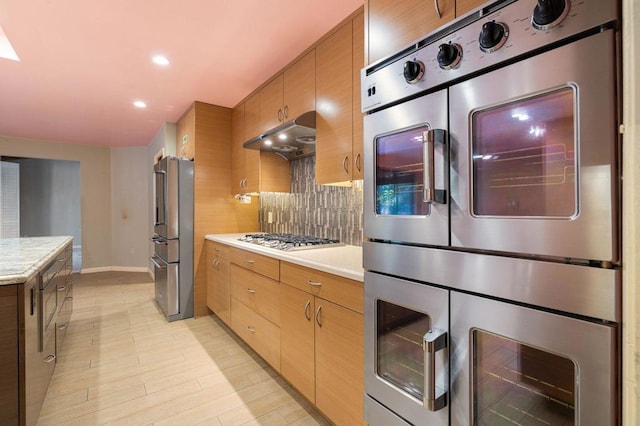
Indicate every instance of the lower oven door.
{"type": "Point", "coordinates": [406, 356]}
{"type": "Point", "coordinates": [166, 285]}
{"type": "Point", "coordinates": [516, 365]}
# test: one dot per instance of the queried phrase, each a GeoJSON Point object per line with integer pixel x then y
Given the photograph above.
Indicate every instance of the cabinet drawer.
{"type": "Point", "coordinates": [343, 291]}
{"type": "Point", "coordinates": [258, 292]}
{"type": "Point", "coordinates": [264, 265]}
{"type": "Point", "coordinates": [219, 250]}
{"type": "Point", "coordinates": [262, 335]}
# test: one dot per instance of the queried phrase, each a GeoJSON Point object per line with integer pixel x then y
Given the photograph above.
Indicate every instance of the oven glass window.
{"type": "Point", "coordinates": [400, 358]}
{"type": "Point", "coordinates": [517, 384]}
{"type": "Point", "coordinates": [524, 157]}
{"type": "Point", "coordinates": [400, 173]}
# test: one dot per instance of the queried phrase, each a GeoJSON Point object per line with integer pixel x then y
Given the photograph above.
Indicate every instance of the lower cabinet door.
{"type": "Point", "coordinates": [297, 347]}
{"type": "Point", "coordinates": [339, 338]}
{"type": "Point", "coordinates": [262, 335]}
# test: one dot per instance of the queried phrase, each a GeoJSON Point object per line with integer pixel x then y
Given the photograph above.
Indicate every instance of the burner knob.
{"type": "Point", "coordinates": [493, 36]}
{"type": "Point", "coordinates": [549, 13]}
{"type": "Point", "coordinates": [413, 71]}
{"type": "Point", "coordinates": [449, 55]}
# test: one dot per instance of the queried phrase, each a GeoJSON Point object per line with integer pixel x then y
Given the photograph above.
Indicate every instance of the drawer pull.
{"type": "Point", "coordinates": [251, 261]}
{"type": "Point", "coordinates": [307, 311]}
{"type": "Point", "coordinates": [314, 283]}
{"type": "Point", "coordinates": [251, 291]}
{"type": "Point", "coordinates": [251, 329]}
{"type": "Point", "coordinates": [63, 288]}
{"type": "Point", "coordinates": [318, 319]}
{"type": "Point", "coordinates": [49, 358]}
{"type": "Point", "coordinates": [69, 298]}
{"type": "Point", "coordinates": [62, 326]}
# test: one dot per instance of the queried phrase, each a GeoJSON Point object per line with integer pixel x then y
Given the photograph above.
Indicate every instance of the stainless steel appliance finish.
{"type": "Point", "coordinates": [173, 238]}
{"type": "Point", "coordinates": [499, 362]}
{"type": "Point", "coordinates": [289, 242]}
{"type": "Point", "coordinates": [491, 210]}
{"type": "Point", "coordinates": [294, 139]}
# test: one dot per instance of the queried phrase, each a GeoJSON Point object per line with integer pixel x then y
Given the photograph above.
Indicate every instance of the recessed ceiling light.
{"type": "Point", "coordinates": [160, 60]}
{"type": "Point", "coordinates": [139, 104]}
{"type": "Point", "coordinates": [6, 50]}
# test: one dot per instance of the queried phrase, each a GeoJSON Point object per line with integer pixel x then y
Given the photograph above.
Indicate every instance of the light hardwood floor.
{"type": "Point", "coordinates": [122, 363]}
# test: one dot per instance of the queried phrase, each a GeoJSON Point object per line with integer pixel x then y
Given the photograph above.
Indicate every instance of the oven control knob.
{"type": "Point", "coordinates": [449, 55]}
{"type": "Point", "coordinates": [493, 36]}
{"type": "Point", "coordinates": [549, 13]}
{"type": "Point", "coordinates": [413, 71]}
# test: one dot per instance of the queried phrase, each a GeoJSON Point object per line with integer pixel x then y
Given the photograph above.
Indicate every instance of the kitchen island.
{"type": "Point", "coordinates": [35, 307]}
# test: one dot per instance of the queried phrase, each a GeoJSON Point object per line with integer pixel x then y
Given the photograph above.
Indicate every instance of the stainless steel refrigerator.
{"type": "Point", "coordinates": [173, 237]}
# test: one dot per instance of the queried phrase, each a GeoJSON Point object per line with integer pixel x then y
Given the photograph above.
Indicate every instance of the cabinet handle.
{"type": "Point", "coordinates": [62, 326]}
{"type": "Point", "coordinates": [307, 311]}
{"type": "Point", "coordinates": [251, 261]}
{"type": "Point", "coordinates": [280, 115]}
{"type": "Point", "coordinates": [435, 4]}
{"type": "Point", "coordinates": [69, 298]}
{"type": "Point", "coordinates": [318, 319]}
{"type": "Point", "coordinates": [217, 249]}
{"type": "Point", "coordinates": [345, 164]}
{"type": "Point", "coordinates": [251, 329]}
{"type": "Point", "coordinates": [49, 358]}
{"type": "Point", "coordinates": [286, 112]}
{"type": "Point", "coordinates": [314, 283]}
{"type": "Point", "coordinates": [63, 288]}
{"type": "Point", "coordinates": [251, 291]}
{"type": "Point", "coordinates": [358, 163]}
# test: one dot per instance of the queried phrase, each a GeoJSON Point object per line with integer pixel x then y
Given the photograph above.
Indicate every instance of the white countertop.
{"type": "Point", "coordinates": [345, 261]}
{"type": "Point", "coordinates": [22, 258]}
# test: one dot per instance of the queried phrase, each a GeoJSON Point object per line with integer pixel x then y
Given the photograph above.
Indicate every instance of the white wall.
{"type": "Point", "coordinates": [631, 213]}
{"type": "Point", "coordinates": [130, 177]}
{"type": "Point", "coordinates": [95, 191]}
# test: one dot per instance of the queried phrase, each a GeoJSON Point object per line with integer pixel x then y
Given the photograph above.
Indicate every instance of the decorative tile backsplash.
{"type": "Point", "coordinates": [317, 210]}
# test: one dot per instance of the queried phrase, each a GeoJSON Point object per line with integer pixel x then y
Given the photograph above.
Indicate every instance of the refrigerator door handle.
{"type": "Point", "coordinates": [153, 260]}
{"type": "Point", "coordinates": [157, 220]}
{"type": "Point", "coordinates": [435, 398]}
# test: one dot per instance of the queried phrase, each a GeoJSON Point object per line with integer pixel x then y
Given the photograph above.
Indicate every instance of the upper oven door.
{"type": "Point", "coordinates": [533, 155]}
{"type": "Point", "coordinates": [405, 175]}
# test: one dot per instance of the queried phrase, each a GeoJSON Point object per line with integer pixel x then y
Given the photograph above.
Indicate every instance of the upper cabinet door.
{"type": "Point", "coordinates": [358, 64]}
{"type": "Point", "coordinates": [300, 87]}
{"type": "Point", "coordinates": [271, 114]}
{"type": "Point", "coordinates": [394, 24]}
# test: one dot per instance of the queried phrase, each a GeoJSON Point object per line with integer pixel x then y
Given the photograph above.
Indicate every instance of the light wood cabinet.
{"type": "Point", "coordinates": [254, 171]}
{"type": "Point", "coordinates": [339, 120]}
{"type": "Point", "coordinates": [322, 340]}
{"type": "Point", "coordinates": [219, 281]}
{"type": "Point", "coordinates": [392, 25]}
{"type": "Point", "coordinates": [215, 209]}
{"type": "Point", "coordinates": [289, 94]}
{"type": "Point", "coordinates": [255, 302]}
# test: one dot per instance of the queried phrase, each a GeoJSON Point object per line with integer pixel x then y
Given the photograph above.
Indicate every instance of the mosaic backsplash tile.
{"type": "Point", "coordinates": [316, 210]}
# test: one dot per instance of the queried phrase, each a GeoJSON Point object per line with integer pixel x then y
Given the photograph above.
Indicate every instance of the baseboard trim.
{"type": "Point", "coordinates": [116, 268]}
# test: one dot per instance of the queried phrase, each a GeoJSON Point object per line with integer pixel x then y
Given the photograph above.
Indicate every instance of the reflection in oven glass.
{"type": "Point", "coordinates": [400, 173]}
{"type": "Point", "coordinates": [524, 157]}
{"type": "Point", "coordinates": [516, 384]}
{"type": "Point", "coordinates": [400, 357]}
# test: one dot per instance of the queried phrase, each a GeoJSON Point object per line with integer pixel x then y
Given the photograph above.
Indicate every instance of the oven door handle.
{"type": "Point", "coordinates": [430, 193]}
{"type": "Point", "coordinates": [435, 397]}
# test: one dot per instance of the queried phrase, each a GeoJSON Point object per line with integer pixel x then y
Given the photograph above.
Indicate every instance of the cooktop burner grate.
{"type": "Point", "coordinates": [289, 242]}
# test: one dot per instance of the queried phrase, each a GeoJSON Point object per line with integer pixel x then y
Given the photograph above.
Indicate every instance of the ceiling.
{"type": "Point", "coordinates": [83, 63]}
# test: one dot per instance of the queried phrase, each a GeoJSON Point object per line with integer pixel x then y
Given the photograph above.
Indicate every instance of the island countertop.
{"type": "Point", "coordinates": [345, 261]}
{"type": "Point", "coordinates": [22, 258]}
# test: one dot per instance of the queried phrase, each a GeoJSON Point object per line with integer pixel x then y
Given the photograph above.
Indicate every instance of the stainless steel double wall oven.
{"type": "Point", "coordinates": [491, 213]}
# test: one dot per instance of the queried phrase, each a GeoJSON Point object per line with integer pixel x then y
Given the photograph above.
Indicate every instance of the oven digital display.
{"type": "Point", "coordinates": [524, 157]}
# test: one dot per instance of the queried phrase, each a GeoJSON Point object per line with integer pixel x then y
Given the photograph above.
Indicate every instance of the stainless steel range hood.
{"type": "Point", "coordinates": [291, 140]}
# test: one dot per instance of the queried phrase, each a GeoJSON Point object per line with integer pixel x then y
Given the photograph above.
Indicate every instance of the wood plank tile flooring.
{"type": "Point", "coordinates": [122, 363]}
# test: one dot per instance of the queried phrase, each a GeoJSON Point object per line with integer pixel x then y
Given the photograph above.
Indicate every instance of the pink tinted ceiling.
{"type": "Point", "coordinates": [84, 62]}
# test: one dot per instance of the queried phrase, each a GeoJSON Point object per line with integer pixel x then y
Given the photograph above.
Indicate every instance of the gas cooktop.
{"type": "Point", "coordinates": [289, 242]}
